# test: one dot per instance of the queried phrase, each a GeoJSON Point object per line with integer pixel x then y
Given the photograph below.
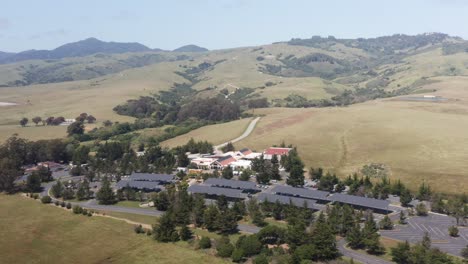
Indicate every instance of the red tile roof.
{"type": "Point", "coordinates": [245, 151]}
{"type": "Point", "coordinates": [226, 160]}
{"type": "Point", "coordinates": [277, 151]}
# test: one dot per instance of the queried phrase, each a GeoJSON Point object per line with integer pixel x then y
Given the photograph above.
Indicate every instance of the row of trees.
{"type": "Point", "coordinates": [55, 121]}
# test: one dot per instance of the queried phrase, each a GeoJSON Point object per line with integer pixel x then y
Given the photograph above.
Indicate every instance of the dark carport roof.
{"type": "Point", "coordinates": [210, 190]}
{"type": "Point", "coordinates": [136, 176]}
{"type": "Point", "coordinates": [140, 185]}
{"type": "Point", "coordinates": [244, 185]}
{"type": "Point", "coordinates": [299, 202]}
{"type": "Point", "coordinates": [360, 201]}
{"type": "Point", "coordinates": [300, 192]}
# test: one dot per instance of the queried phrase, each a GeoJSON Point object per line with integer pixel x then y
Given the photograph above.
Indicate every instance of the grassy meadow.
{"type": "Point", "coordinates": [38, 233]}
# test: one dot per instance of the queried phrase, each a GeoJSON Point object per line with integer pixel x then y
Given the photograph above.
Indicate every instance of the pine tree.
{"type": "Point", "coordinates": [355, 237]}
{"type": "Point", "coordinates": [185, 233]}
{"type": "Point", "coordinates": [296, 174]}
{"type": "Point", "coordinates": [83, 191]}
{"type": "Point", "coordinates": [105, 195]}
{"type": "Point", "coordinates": [198, 210]}
{"type": "Point", "coordinates": [405, 197]}
{"type": "Point", "coordinates": [165, 228]}
{"type": "Point", "coordinates": [227, 222]}
{"type": "Point", "coordinates": [210, 218]}
{"type": "Point", "coordinates": [401, 253]}
{"type": "Point", "coordinates": [323, 240]}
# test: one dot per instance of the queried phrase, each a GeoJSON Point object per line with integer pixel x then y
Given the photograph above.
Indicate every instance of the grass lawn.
{"type": "Point", "coordinates": [39, 233]}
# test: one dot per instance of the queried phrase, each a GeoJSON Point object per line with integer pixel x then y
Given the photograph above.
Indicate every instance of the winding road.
{"type": "Point", "coordinates": [246, 133]}
{"type": "Point", "coordinates": [363, 258]}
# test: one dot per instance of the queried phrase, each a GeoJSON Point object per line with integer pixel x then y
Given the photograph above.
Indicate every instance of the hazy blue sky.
{"type": "Point", "coordinates": [215, 24]}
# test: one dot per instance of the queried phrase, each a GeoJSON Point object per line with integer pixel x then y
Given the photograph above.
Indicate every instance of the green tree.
{"type": "Point", "coordinates": [105, 195]}
{"type": "Point", "coordinates": [237, 255]}
{"type": "Point", "coordinates": [37, 120]}
{"type": "Point", "coordinates": [405, 197]}
{"type": "Point", "coordinates": [57, 189]}
{"type": "Point", "coordinates": [260, 259]}
{"type": "Point", "coordinates": [83, 191]}
{"type": "Point", "coordinates": [24, 121]}
{"type": "Point", "coordinates": [165, 229]}
{"type": "Point", "coordinates": [401, 253]}
{"type": "Point", "coordinates": [323, 240]}
{"type": "Point", "coordinates": [185, 233]}
{"type": "Point", "coordinates": [250, 245]}
{"type": "Point", "coordinates": [33, 183]}
{"type": "Point", "coordinates": [224, 247]}
{"type": "Point", "coordinates": [205, 242]}
{"type": "Point", "coordinates": [9, 171]}
{"type": "Point", "coordinates": [245, 175]}
{"type": "Point", "coordinates": [296, 171]}
{"type": "Point", "coordinates": [161, 201]}
{"type": "Point", "coordinates": [386, 223]}
{"type": "Point", "coordinates": [211, 216]}
{"type": "Point", "coordinates": [227, 222]}
{"type": "Point", "coordinates": [227, 173]}
{"type": "Point", "coordinates": [424, 192]}
{"type": "Point", "coordinates": [75, 128]}
{"type": "Point", "coordinates": [81, 155]}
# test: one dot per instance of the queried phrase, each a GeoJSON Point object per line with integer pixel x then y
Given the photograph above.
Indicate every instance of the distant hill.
{"type": "Point", "coordinates": [4, 55]}
{"type": "Point", "coordinates": [190, 48]}
{"type": "Point", "coordinates": [76, 49]}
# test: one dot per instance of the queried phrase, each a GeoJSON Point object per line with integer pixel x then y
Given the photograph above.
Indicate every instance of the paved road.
{"type": "Point", "coordinates": [359, 256]}
{"type": "Point", "coordinates": [244, 135]}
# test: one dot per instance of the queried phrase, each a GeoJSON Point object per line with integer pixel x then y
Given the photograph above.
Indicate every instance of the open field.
{"type": "Point", "coordinates": [215, 134]}
{"type": "Point", "coordinates": [40, 233]}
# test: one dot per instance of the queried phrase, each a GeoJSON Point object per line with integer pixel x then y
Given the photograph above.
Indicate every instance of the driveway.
{"type": "Point", "coordinates": [246, 133]}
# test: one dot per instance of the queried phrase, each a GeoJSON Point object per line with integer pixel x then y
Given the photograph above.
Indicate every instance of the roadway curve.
{"type": "Point", "coordinates": [364, 258]}
{"type": "Point", "coordinates": [246, 133]}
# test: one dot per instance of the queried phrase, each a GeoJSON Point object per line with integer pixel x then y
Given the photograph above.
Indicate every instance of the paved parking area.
{"type": "Point", "coordinates": [437, 227]}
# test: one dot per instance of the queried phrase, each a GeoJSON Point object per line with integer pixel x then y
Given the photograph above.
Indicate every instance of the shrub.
{"type": "Point", "coordinates": [225, 249]}
{"type": "Point", "coordinates": [205, 242]}
{"type": "Point", "coordinates": [139, 229]}
{"type": "Point", "coordinates": [453, 231]}
{"type": "Point", "coordinates": [90, 214]}
{"type": "Point", "coordinates": [69, 205]}
{"type": "Point", "coordinates": [185, 233]}
{"type": "Point", "coordinates": [35, 196]}
{"type": "Point", "coordinates": [237, 255]}
{"type": "Point", "coordinates": [260, 259]}
{"type": "Point", "coordinates": [77, 209]}
{"type": "Point", "coordinates": [148, 232]}
{"type": "Point", "coordinates": [46, 199]}
{"type": "Point", "coordinates": [62, 204]}
{"type": "Point", "coordinates": [84, 211]}
{"type": "Point", "coordinates": [57, 203]}
{"type": "Point", "coordinates": [421, 209]}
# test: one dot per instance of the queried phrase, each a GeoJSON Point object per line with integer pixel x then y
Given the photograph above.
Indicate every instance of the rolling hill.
{"type": "Point", "coordinates": [190, 48]}
{"type": "Point", "coordinates": [418, 140]}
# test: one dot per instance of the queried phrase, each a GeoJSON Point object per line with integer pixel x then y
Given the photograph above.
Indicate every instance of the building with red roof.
{"type": "Point", "coordinates": [268, 153]}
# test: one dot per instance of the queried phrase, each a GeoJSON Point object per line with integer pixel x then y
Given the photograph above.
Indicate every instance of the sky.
{"type": "Point", "coordinates": [219, 24]}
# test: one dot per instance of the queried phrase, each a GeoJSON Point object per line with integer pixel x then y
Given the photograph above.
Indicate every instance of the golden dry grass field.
{"type": "Point", "coordinates": [417, 140]}
{"type": "Point", "coordinates": [36, 233]}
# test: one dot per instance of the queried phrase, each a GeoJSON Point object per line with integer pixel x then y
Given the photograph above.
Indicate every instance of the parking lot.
{"type": "Point", "coordinates": [437, 227]}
